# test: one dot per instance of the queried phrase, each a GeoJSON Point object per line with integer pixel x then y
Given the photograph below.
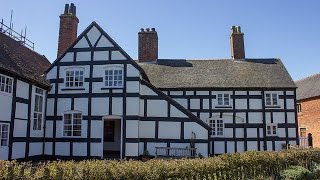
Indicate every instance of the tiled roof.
{"type": "Point", "coordinates": [308, 87]}
{"type": "Point", "coordinates": [226, 73]}
{"type": "Point", "coordinates": [19, 60]}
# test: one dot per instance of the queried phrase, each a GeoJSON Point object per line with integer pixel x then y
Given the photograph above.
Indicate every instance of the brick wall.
{"type": "Point", "coordinates": [309, 118]}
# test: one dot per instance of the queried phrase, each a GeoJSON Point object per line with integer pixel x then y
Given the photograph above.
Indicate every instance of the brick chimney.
{"type": "Point", "coordinates": [237, 43]}
{"type": "Point", "coordinates": [148, 45]}
{"type": "Point", "coordinates": [68, 28]}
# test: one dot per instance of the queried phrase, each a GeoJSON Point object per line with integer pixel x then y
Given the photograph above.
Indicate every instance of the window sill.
{"type": "Point", "coordinates": [217, 106]}
{"type": "Point", "coordinates": [71, 137]}
{"type": "Point", "coordinates": [107, 88]}
{"type": "Point", "coordinates": [73, 89]}
{"type": "Point", "coordinates": [272, 135]}
{"type": "Point", "coordinates": [276, 106]}
{"type": "Point", "coordinates": [5, 94]}
{"type": "Point", "coordinates": [217, 136]}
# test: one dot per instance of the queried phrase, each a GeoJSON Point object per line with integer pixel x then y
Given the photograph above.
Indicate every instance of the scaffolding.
{"type": "Point", "coordinates": [20, 37]}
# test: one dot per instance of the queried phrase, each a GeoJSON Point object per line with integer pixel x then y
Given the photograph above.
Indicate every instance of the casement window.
{"type": "Point", "coordinates": [272, 129]}
{"type": "Point", "coordinates": [113, 77]}
{"type": "Point", "coordinates": [74, 78]}
{"type": "Point", "coordinates": [272, 99]}
{"type": "Point", "coordinates": [4, 134]}
{"type": "Point", "coordinates": [299, 108]}
{"type": "Point", "coordinates": [5, 84]}
{"type": "Point", "coordinates": [223, 99]}
{"type": "Point", "coordinates": [72, 124]}
{"type": "Point", "coordinates": [38, 109]}
{"type": "Point", "coordinates": [217, 126]}
{"type": "Point", "coordinates": [303, 132]}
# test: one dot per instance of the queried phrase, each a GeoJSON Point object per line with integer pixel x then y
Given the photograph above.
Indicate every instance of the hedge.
{"type": "Point", "coordinates": [248, 165]}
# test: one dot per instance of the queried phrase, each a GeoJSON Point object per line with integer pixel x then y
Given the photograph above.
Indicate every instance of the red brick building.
{"type": "Point", "coordinates": [308, 102]}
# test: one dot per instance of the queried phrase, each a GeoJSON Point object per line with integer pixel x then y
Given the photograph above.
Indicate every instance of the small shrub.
{"type": "Point", "coordinates": [296, 173]}
{"type": "Point", "coordinates": [146, 153]}
{"type": "Point", "coordinates": [316, 171]}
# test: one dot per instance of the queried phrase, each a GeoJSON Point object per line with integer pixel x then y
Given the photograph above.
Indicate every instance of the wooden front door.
{"type": "Point", "coordinates": [109, 131]}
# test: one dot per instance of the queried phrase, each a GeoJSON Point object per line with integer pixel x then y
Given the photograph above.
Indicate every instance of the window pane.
{"type": "Point", "coordinates": [77, 115]}
{"type": "Point", "coordinates": [4, 142]}
{"type": "Point", "coordinates": [67, 128]}
{"type": "Point", "coordinates": [4, 135]}
{"type": "Point", "coordinates": [67, 133]}
{"type": "Point", "coordinates": [268, 99]}
{"type": "Point", "coordinates": [268, 129]}
{"type": "Point", "coordinates": [76, 133]}
{"type": "Point", "coordinates": [274, 99]}
{"type": "Point", "coordinates": [220, 100]}
{"type": "Point", "coordinates": [5, 127]}
{"type": "Point", "coordinates": [274, 129]}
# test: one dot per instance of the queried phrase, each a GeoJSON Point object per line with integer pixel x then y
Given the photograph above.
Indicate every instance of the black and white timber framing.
{"type": "Point", "coordinates": [147, 116]}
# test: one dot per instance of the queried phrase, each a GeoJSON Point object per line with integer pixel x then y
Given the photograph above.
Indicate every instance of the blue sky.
{"type": "Point", "coordinates": [189, 29]}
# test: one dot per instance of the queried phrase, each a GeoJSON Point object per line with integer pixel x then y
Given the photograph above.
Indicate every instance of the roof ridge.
{"type": "Point", "coordinates": [310, 76]}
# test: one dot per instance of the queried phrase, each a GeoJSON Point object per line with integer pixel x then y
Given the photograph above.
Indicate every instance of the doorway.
{"type": "Point", "coordinates": [112, 138]}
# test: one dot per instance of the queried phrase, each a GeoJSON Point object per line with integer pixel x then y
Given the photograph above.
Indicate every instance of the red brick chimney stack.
{"type": "Point", "coordinates": [148, 45]}
{"type": "Point", "coordinates": [237, 43]}
{"type": "Point", "coordinates": [68, 28]}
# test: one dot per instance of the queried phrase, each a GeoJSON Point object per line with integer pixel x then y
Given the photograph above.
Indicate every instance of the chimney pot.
{"type": "Point", "coordinates": [66, 9]}
{"type": "Point", "coordinates": [75, 10]}
{"type": "Point", "coordinates": [142, 30]}
{"type": "Point", "coordinates": [153, 29]}
{"type": "Point", "coordinates": [71, 8]}
{"type": "Point", "coordinates": [148, 29]}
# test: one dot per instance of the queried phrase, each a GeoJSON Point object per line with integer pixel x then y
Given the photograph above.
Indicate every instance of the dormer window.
{"type": "Point", "coordinates": [74, 78]}
{"type": "Point", "coordinates": [272, 99]}
{"type": "Point", "coordinates": [113, 77]}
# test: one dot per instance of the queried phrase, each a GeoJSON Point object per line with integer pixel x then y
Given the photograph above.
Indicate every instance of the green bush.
{"type": "Point", "coordinates": [296, 173]}
{"type": "Point", "coordinates": [248, 165]}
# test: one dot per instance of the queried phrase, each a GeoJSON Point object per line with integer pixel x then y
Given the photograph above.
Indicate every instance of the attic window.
{"type": "Point", "coordinates": [5, 84]}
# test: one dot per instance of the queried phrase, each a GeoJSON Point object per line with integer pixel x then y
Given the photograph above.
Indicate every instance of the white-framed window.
{"type": "Point", "coordinates": [299, 109]}
{"type": "Point", "coordinates": [217, 126]}
{"type": "Point", "coordinates": [272, 129]}
{"type": "Point", "coordinates": [4, 134]}
{"type": "Point", "coordinates": [74, 77]}
{"type": "Point", "coordinates": [113, 77]}
{"type": "Point", "coordinates": [38, 109]}
{"type": "Point", "coordinates": [6, 84]}
{"type": "Point", "coordinates": [272, 99]}
{"type": "Point", "coordinates": [72, 124]}
{"type": "Point", "coordinates": [223, 99]}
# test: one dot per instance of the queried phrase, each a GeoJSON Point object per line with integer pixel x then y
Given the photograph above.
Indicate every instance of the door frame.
{"type": "Point", "coordinates": [112, 117]}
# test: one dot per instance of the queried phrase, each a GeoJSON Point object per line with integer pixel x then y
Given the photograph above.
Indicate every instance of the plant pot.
{"type": "Point", "coordinates": [144, 159]}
